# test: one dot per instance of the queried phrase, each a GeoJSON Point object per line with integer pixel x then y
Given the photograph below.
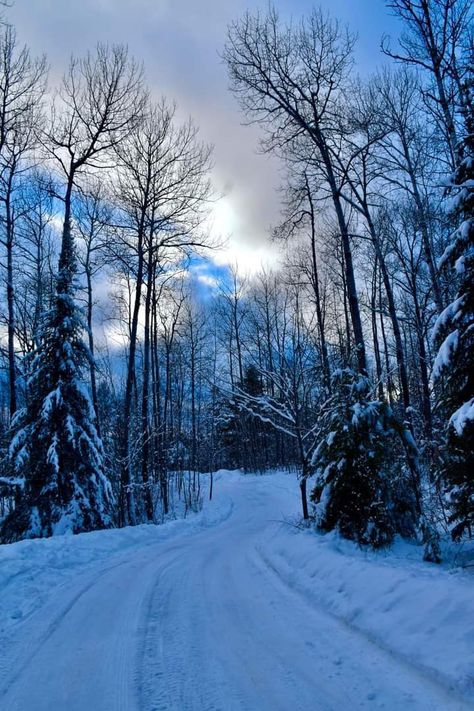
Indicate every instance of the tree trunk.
{"type": "Point", "coordinates": [352, 296]}
{"type": "Point", "coordinates": [423, 364]}
{"type": "Point", "coordinates": [375, 337]}
{"type": "Point", "coordinates": [127, 505]}
{"type": "Point", "coordinates": [193, 404]}
{"type": "Point", "coordinates": [304, 497]}
{"type": "Point", "coordinates": [146, 385]}
{"type": "Point", "coordinates": [90, 334]}
{"type": "Point", "coordinates": [317, 295]}
{"type": "Point", "coordinates": [400, 354]}
{"type": "Point", "coordinates": [425, 237]}
{"type": "Point", "coordinates": [11, 302]}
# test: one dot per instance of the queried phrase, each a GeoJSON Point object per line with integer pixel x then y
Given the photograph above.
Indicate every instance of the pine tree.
{"type": "Point", "coordinates": [245, 437]}
{"type": "Point", "coordinates": [55, 448]}
{"type": "Point", "coordinates": [453, 370]}
{"type": "Point", "coordinates": [356, 491]}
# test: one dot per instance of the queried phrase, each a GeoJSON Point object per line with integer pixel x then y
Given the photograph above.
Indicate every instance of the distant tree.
{"type": "Point", "coordinates": [294, 389]}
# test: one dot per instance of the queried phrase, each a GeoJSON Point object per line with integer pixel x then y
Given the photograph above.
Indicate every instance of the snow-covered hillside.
{"type": "Point", "coordinates": [233, 608]}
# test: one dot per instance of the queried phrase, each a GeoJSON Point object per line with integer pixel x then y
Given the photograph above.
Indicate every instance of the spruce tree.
{"type": "Point", "coordinates": [453, 371]}
{"type": "Point", "coordinates": [358, 491]}
{"type": "Point", "coordinates": [55, 449]}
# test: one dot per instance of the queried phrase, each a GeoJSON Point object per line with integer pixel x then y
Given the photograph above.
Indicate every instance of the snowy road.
{"type": "Point", "coordinates": [202, 623]}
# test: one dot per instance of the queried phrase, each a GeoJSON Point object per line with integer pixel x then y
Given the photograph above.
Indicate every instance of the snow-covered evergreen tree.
{"type": "Point", "coordinates": [355, 491]}
{"type": "Point", "coordinates": [453, 370]}
{"type": "Point", "coordinates": [55, 450]}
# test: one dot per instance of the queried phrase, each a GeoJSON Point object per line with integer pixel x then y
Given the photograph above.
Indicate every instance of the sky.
{"type": "Point", "coordinates": [180, 43]}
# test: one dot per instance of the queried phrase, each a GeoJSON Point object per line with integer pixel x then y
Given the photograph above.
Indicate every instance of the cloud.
{"type": "Point", "coordinates": [180, 43]}
{"type": "Point", "coordinates": [207, 280]}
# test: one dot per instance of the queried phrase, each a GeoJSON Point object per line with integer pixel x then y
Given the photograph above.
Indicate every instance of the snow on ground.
{"type": "Point", "coordinates": [230, 609]}
{"type": "Point", "coordinates": [422, 612]}
{"type": "Point", "coordinates": [30, 571]}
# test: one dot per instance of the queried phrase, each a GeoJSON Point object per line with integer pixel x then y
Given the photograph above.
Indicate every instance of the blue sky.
{"type": "Point", "coordinates": [180, 42]}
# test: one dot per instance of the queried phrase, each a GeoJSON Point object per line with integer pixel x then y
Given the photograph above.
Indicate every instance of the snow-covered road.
{"type": "Point", "coordinates": [200, 622]}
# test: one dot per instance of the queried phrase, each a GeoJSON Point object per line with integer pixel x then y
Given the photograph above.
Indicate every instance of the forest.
{"type": "Point", "coordinates": [124, 380]}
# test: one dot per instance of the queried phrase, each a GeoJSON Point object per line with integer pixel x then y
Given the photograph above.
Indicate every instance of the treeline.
{"type": "Point", "coordinates": [353, 362]}
{"type": "Point", "coordinates": [97, 183]}
{"type": "Point", "coordinates": [380, 192]}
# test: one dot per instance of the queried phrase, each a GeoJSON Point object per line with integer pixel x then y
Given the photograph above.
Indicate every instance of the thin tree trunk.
{"type": "Point", "coordinates": [193, 405]}
{"type": "Point", "coordinates": [90, 334]}
{"type": "Point", "coordinates": [146, 385]}
{"type": "Point", "coordinates": [425, 237]}
{"type": "Point", "coordinates": [375, 337]}
{"type": "Point", "coordinates": [423, 365]}
{"type": "Point", "coordinates": [352, 296]}
{"type": "Point", "coordinates": [347, 322]}
{"type": "Point", "coordinates": [315, 284]}
{"type": "Point", "coordinates": [304, 497]}
{"type": "Point", "coordinates": [400, 354]}
{"type": "Point", "coordinates": [385, 346]}
{"type": "Point", "coordinates": [11, 302]}
{"type": "Point", "coordinates": [127, 506]}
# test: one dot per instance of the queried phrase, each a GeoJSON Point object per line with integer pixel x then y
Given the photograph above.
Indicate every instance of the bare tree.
{"type": "Point", "coordinates": [291, 79]}
{"type": "Point", "coordinates": [100, 100]}
{"type": "Point", "coordinates": [93, 220]}
{"type": "Point", "coordinates": [22, 83]}
{"type": "Point", "coordinates": [302, 212]}
{"type": "Point", "coordinates": [435, 34]}
{"type": "Point", "coordinates": [36, 256]}
{"type": "Point", "coordinates": [163, 190]}
{"type": "Point", "coordinates": [290, 405]}
{"type": "Point", "coordinates": [405, 155]}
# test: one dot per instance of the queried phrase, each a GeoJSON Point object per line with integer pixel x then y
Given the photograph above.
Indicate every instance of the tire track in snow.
{"type": "Point", "coordinates": [454, 700]}
{"type": "Point", "coordinates": [202, 624]}
{"type": "Point", "coordinates": [26, 655]}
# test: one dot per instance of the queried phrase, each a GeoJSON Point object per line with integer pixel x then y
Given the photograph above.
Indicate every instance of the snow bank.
{"type": "Point", "coordinates": [419, 612]}
{"type": "Point", "coordinates": [31, 570]}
